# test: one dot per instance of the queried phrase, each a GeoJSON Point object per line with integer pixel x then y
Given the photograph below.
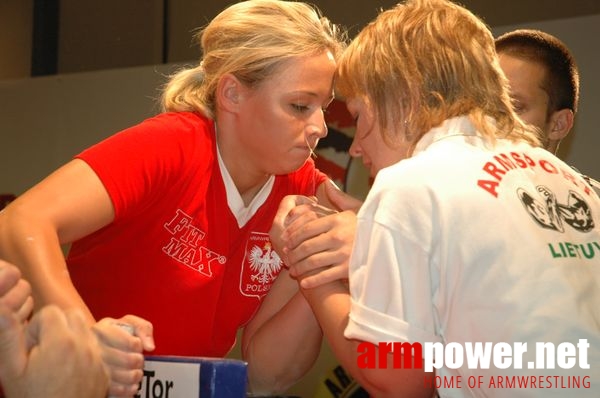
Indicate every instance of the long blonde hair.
{"type": "Point", "coordinates": [250, 40]}
{"type": "Point", "coordinates": [424, 61]}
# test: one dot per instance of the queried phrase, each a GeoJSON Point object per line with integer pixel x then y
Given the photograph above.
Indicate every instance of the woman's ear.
{"type": "Point", "coordinates": [229, 93]}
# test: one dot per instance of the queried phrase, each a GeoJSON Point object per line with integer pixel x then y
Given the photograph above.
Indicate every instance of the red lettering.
{"type": "Point", "coordinates": [428, 381]}
{"type": "Point", "coordinates": [494, 171]}
{"type": "Point", "coordinates": [517, 158]}
{"type": "Point", "coordinates": [384, 350]}
{"type": "Point", "coordinates": [367, 354]}
{"type": "Point", "coordinates": [505, 162]}
{"type": "Point", "coordinates": [447, 381]}
{"type": "Point", "coordinates": [500, 382]}
{"type": "Point", "coordinates": [548, 167]}
{"type": "Point", "coordinates": [489, 186]}
{"type": "Point", "coordinates": [405, 355]}
{"type": "Point", "coordinates": [408, 355]}
{"type": "Point", "coordinates": [569, 177]}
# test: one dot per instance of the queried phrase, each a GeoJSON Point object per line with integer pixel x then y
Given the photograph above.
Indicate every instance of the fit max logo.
{"type": "Point", "coordinates": [185, 245]}
{"type": "Point", "coordinates": [260, 267]}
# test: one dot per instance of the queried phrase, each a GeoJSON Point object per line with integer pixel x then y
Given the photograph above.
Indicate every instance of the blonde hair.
{"type": "Point", "coordinates": [250, 40]}
{"type": "Point", "coordinates": [423, 62]}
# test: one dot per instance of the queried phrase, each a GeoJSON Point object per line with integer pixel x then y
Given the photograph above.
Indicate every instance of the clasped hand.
{"type": "Point", "coordinates": [313, 240]}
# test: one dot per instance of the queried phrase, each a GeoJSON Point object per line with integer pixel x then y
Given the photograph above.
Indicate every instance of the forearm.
{"type": "Point", "coordinates": [34, 247]}
{"type": "Point", "coordinates": [284, 348]}
{"type": "Point", "coordinates": [331, 305]}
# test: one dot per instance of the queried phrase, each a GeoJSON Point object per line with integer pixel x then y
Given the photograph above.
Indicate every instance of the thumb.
{"type": "Point", "coordinates": [341, 200]}
{"type": "Point", "coordinates": [13, 354]}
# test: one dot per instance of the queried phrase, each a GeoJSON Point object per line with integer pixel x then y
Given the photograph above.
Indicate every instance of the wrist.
{"type": "Point", "coordinates": [322, 292]}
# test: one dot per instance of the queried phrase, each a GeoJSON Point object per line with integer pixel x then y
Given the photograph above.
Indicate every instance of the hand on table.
{"type": "Point", "coordinates": [123, 352]}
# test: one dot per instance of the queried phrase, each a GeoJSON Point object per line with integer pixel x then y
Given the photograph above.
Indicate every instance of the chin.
{"type": "Point", "coordinates": [289, 166]}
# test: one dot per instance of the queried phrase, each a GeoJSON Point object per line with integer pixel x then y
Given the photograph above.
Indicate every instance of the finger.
{"type": "Point", "coordinates": [110, 335]}
{"type": "Point", "coordinates": [122, 390]}
{"type": "Point", "coordinates": [318, 261]}
{"type": "Point", "coordinates": [302, 205]}
{"type": "Point", "coordinates": [340, 199]}
{"type": "Point", "coordinates": [310, 254]}
{"type": "Point", "coordinates": [26, 310]}
{"type": "Point", "coordinates": [18, 298]}
{"type": "Point", "coordinates": [306, 228]}
{"type": "Point", "coordinates": [287, 204]}
{"type": "Point", "coordinates": [306, 212]}
{"type": "Point", "coordinates": [13, 349]}
{"type": "Point", "coordinates": [9, 276]}
{"type": "Point", "coordinates": [331, 233]}
{"type": "Point", "coordinates": [126, 377]}
{"type": "Point", "coordinates": [325, 276]}
{"type": "Point", "coordinates": [121, 365]}
{"type": "Point", "coordinates": [142, 329]}
{"type": "Point", "coordinates": [49, 323]}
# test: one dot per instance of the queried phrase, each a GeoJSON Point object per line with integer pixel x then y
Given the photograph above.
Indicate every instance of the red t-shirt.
{"type": "Point", "coordinates": [174, 254]}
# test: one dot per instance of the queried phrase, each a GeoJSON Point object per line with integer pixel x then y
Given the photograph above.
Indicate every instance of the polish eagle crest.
{"type": "Point", "coordinates": [265, 263]}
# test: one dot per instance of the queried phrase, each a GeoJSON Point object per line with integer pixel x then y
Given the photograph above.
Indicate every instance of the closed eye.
{"type": "Point", "coordinates": [300, 108]}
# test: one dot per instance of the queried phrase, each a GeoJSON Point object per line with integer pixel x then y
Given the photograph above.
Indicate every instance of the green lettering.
{"type": "Point", "coordinates": [570, 249]}
{"type": "Point", "coordinates": [554, 254]}
{"type": "Point", "coordinates": [591, 253]}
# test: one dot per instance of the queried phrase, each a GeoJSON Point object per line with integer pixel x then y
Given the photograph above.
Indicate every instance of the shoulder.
{"type": "Point", "coordinates": [591, 182]}
{"type": "Point", "coordinates": [169, 131]}
{"type": "Point", "coordinates": [177, 122]}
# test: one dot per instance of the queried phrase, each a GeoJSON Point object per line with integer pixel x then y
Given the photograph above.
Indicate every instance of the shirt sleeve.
{"type": "Point", "coordinates": [390, 286]}
{"type": "Point", "coordinates": [136, 164]}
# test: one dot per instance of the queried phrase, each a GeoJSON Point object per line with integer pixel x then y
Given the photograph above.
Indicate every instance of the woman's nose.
{"type": "Point", "coordinates": [318, 125]}
{"type": "Point", "coordinates": [355, 150]}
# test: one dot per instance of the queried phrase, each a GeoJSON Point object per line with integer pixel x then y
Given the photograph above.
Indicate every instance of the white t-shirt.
{"type": "Point", "coordinates": [467, 243]}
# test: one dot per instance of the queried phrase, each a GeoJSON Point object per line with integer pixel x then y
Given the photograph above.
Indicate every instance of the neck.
{"type": "Point", "coordinates": [244, 173]}
{"type": "Point", "coordinates": [247, 182]}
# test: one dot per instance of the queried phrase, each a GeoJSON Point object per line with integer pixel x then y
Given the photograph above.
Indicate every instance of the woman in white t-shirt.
{"type": "Point", "coordinates": [471, 236]}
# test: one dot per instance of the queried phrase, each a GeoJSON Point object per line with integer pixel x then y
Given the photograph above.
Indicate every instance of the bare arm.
{"type": "Point", "coordinates": [68, 204]}
{"type": "Point", "coordinates": [331, 305]}
{"type": "Point", "coordinates": [317, 245]}
{"type": "Point", "coordinates": [283, 339]}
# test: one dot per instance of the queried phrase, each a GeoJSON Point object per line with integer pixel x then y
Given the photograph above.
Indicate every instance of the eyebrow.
{"type": "Point", "coordinates": [312, 94]}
